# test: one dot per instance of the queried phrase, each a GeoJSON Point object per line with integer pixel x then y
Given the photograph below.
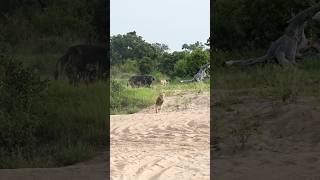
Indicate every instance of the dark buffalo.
{"type": "Point", "coordinates": [83, 62]}
{"type": "Point", "coordinates": [141, 81]}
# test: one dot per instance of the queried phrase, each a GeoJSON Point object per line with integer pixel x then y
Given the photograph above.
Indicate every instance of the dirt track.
{"type": "Point", "coordinates": [95, 169]}
{"type": "Point", "coordinates": [173, 144]}
{"type": "Point", "coordinates": [286, 147]}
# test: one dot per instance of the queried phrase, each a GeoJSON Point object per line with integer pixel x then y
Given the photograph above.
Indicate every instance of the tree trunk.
{"type": "Point", "coordinates": [288, 46]}
{"type": "Point", "coordinates": [200, 76]}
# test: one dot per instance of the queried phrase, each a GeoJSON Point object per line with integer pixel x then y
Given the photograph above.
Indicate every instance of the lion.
{"type": "Point", "coordinates": [159, 102]}
{"type": "Point", "coordinates": [164, 82]}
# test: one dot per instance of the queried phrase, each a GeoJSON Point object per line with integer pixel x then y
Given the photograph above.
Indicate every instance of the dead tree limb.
{"type": "Point", "coordinates": [285, 49]}
{"type": "Point", "coordinates": [200, 76]}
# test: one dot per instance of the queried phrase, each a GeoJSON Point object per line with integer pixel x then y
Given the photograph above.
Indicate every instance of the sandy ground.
{"type": "Point", "coordinates": [95, 169]}
{"type": "Point", "coordinates": [173, 144]}
{"type": "Point", "coordinates": [287, 146]}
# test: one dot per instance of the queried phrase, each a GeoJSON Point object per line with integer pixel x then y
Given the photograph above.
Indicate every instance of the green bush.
{"type": "Point", "coordinates": [44, 122]}
{"type": "Point", "coordinates": [129, 100]}
{"type": "Point", "coordinates": [116, 86]}
{"type": "Point", "coordinates": [20, 108]}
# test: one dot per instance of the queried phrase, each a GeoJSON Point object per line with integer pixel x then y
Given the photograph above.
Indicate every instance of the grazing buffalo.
{"type": "Point", "coordinates": [141, 81]}
{"type": "Point", "coordinates": [83, 62]}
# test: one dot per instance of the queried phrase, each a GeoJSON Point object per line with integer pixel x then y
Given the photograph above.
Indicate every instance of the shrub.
{"type": "Point", "coordinates": [180, 68]}
{"type": "Point", "coordinates": [129, 100]}
{"type": "Point", "coordinates": [20, 105]}
{"type": "Point", "coordinates": [47, 124]}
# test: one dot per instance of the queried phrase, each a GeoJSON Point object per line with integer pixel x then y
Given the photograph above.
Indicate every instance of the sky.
{"type": "Point", "coordinates": [171, 22]}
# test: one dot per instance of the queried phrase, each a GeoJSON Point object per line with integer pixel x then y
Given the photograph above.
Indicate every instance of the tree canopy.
{"type": "Point", "coordinates": [238, 24]}
{"type": "Point", "coordinates": [151, 57]}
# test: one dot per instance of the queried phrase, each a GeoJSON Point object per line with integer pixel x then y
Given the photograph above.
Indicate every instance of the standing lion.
{"type": "Point", "coordinates": [159, 102]}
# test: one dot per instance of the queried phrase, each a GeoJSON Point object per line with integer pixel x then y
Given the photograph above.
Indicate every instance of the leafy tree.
{"type": "Point", "coordinates": [146, 65]}
{"type": "Point", "coordinates": [168, 60]}
{"type": "Point", "coordinates": [180, 68]}
{"type": "Point", "coordinates": [130, 46]}
{"type": "Point", "coordinates": [160, 49]}
{"type": "Point", "coordinates": [191, 63]}
{"type": "Point", "coordinates": [195, 60]}
{"type": "Point", "coordinates": [192, 47]}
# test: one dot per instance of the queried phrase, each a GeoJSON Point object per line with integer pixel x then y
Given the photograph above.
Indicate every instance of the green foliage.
{"type": "Point", "coordinates": [21, 91]}
{"type": "Point", "coordinates": [238, 24]}
{"type": "Point", "coordinates": [160, 49]}
{"type": "Point", "coordinates": [129, 100]}
{"type": "Point", "coordinates": [195, 60]}
{"type": "Point", "coordinates": [154, 57]}
{"type": "Point", "coordinates": [130, 66]}
{"type": "Point", "coordinates": [44, 123]}
{"type": "Point", "coordinates": [48, 124]}
{"type": "Point", "coordinates": [116, 86]}
{"type": "Point", "coordinates": [191, 63]}
{"type": "Point", "coordinates": [192, 47]}
{"type": "Point", "coordinates": [125, 99]}
{"type": "Point", "coordinates": [180, 68]}
{"type": "Point", "coordinates": [43, 64]}
{"type": "Point", "coordinates": [146, 65]}
{"type": "Point", "coordinates": [158, 75]}
{"type": "Point", "coordinates": [52, 26]}
{"type": "Point", "coordinates": [272, 81]}
{"type": "Point", "coordinates": [60, 18]}
{"type": "Point", "coordinates": [15, 29]}
{"type": "Point", "coordinates": [168, 60]}
{"type": "Point", "coordinates": [132, 46]}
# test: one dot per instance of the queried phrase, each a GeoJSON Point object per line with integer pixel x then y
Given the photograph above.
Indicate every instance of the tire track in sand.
{"type": "Point", "coordinates": [173, 144]}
